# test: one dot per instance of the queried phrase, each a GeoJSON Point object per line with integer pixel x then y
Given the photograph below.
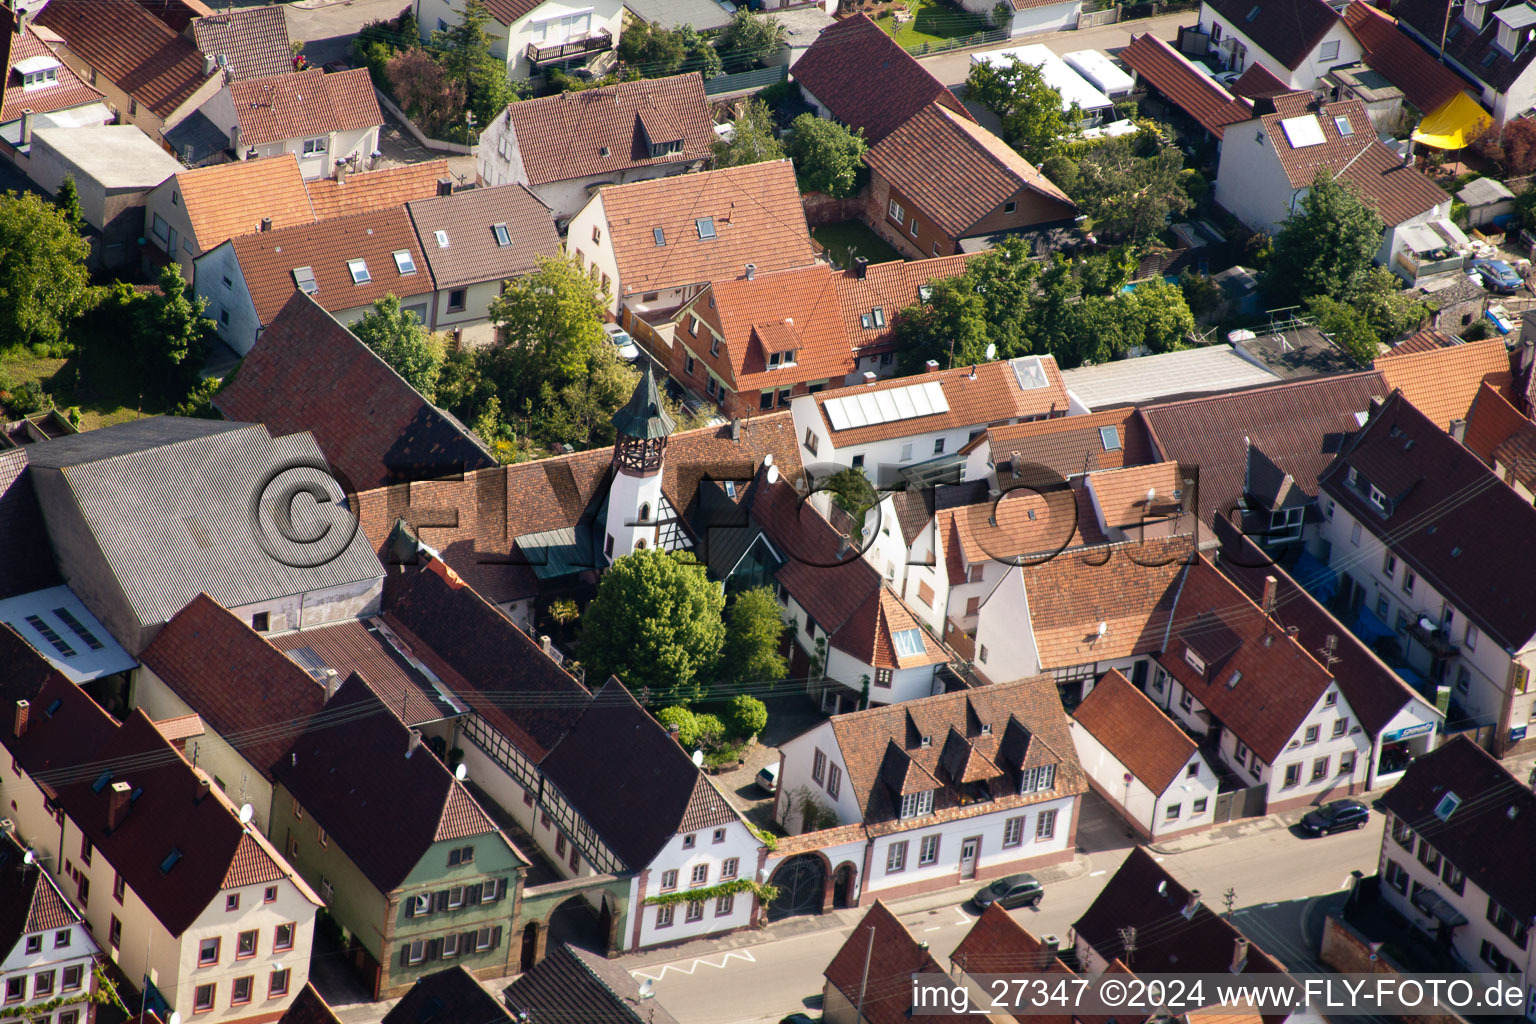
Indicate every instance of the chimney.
{"type": "Point", "coordinates": [266, 223]}
{"type": "Point", "coordinates": [23, 710]}
{"type": "Point", "coordinates": [869, 376]}
{"type": "Point", "coordinates": [932, 366]}
{"type": "Point", "coordinates": [751, 271]}
{"type": "Point", "coordinates": [210, 64]}
{"type": "Point", "coordinates": [1050, 943]}
{"type": "Point", "coordinates": [413, 742]}
{"type": "Point", "coordinates": [234, 140]}
{"type": "Point", "coordinates": [736, 428]}
{"type": "Point", "coordinates": [1239, 955]}
{"type": "Point", "coordinates": [117, 804]}
{"type": "Point", "coordinates": [544, 644]}
{"type": "Point", "coordinates": [332, 682]}
{"type": "Point", "coordinates": [675, 731]}
{"type": "Point", "coordinates": [1377, 402]}
{"type": "Point", "coordinates": [973, 371]}
{"type": "Point", "coordinates": [1459, 430]}
{"type": "Point", "coordinates": [1192, 905]}
{"type": "Point", "coordinates": [203, 786]}
{"type": "Point", "coordinates": [445, 186]}
{"type": "Point", "coordinates": [860, 267]}
{"type": "Point", "coordinates": [341, 172]}
{"type": "Point", "coordinates": [1268, 601]}
{"type": "Point", "coordinates": [26, 127]}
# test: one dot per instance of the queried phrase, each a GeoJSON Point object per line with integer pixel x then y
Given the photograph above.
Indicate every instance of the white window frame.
{"type": "Point", "coordinates": [317, 146]}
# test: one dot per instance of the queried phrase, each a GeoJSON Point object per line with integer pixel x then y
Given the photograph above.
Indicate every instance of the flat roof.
{"type": "Point", "coordinates": [116, 156]}
{"type": "Point", "coordinates": [1074, 88]}
{"type": "Point", "coordinates": [60, 628]}
{"type": "Point", "coordinates": [1148, 378]}
{"type": "Point", "coordinates": [1096, 66]}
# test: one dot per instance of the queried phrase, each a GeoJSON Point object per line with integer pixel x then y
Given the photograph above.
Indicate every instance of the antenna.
{"type": "Point", "coordinates": [1128, 940]}
{"type": "Point", "coordinates": [461, 772]}
{"type": "Point", "coordinates": [1329, 646]}
{"type": "Point", "coordinates": [247, 812]}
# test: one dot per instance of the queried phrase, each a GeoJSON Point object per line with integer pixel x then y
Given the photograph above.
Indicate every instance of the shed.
{"type": "Point", "coordinates": [1074, 88]}
{"type": "Point", "coordinates": [1487, 200]}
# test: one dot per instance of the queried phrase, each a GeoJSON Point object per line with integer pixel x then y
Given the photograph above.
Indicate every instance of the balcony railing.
{"type": "Point", "coordinates": [601, 40]}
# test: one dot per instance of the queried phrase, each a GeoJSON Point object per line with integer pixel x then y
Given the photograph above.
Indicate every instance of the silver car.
{"type": "Point", "coordinates": [622, 342]}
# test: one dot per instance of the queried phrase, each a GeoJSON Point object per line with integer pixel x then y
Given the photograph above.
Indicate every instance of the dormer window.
{"type": "Point", "coordinates": [1353, 476]}
{"type": "Point", "coordinates": [1195, 661]}
{"type": "Point", "coordinates": [915, 805]}
{"type": "Point", "coordinates": [1038, 779]}
{"type": "Point", "coordinates": [666, 148]}
{"type": "Point", "coordinates": [778, 359]}
{"type": "Point", "coordinates": [38, 72]}
{"type": "Point", "coordinates": [1475, 11]}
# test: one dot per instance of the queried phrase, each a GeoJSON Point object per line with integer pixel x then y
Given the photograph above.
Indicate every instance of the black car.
{"type": "Point", "coordinates": [1339, 816]}
{"type": "Point", "coordinates": [1010, 891]}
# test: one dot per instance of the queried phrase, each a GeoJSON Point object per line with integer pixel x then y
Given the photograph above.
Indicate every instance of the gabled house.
{"type": "Point", "coordinates": [872, 295]}
{"type": "Point", "coordinates": [1028, 17]}
{"type": "Point", "coordinates": [1484, 41]}
{"type": "Point", "coordinates": [1443, 382]}
{"type": "Point", "coordinates": [869, 980]}
{"type": "Point", "coordinates": [148, 73]}
{"type": "Point", "coordinates": [289, 381]}
{"type": "Point", "coordinates": [1390, 51]}
{"type": "Point", "coordinates": [1504, 439]}
{"type": "Point", "coordinates": [443, 884]}
{"type": "Point", "coordinates": [655, 244]}
{"type": "Point", "coordinates": [172, 884]}
{"type": "Point", "coordinates": [1062, 447]}
{"type": "Point", "coordinates": [449, 994]}
{"type": "Point", "coordinates": [569, 981]}
{"type": "Point", "coordinates": [932, 793]}
{"type": "Point", "coordinates": [566, 146]}
{"type": "Point", "coordinates": [532, 35]}
{"type": "Point", "coordinates": [1446, 590]}
{"type": "Point", "coordinates": [1135, 757]}
{"type": "Point", "coordinates": [475, 242]}
{"type": "Point", "coordinates": [345, 263]}
{"type": "Point", "coordinates": [309, 1008]}
{"type": "Point", "coordinates": [323, 119]}
{"type": "Point", "coordinates": [49, 957]}
{"type": "Point", "coordinates": [39, 90]}
{"type": "Point", "coordinates": [248, 42]}
{"type": "Point", "coordinates": [1298, 41]}
{"type": "Point", "coordinates": [1262, 182]}
{"type": "Point", "coordinates": [1141, 502]}
{"type": "Point", "coordinates": [908, 204]}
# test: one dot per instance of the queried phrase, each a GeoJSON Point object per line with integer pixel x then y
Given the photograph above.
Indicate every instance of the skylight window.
{"type": "Point", "coordinates": [78, 628]}
{"type": "Point", "coordinates": [660, 236]}
{"type": "Point", "coordinates": [1109, 437]}
{"type": "Point", "coordinates": [442, 238]}
{"type": "Point", "coordinates": [101, 782]}
{"type": "Point", "coordinates": [359, 271]}
{"type": "Point", "coordinates": [706, 226]}
{"type": "Point", "coordinates": [878, 315]}
{"type": "Point", "coordinates": [403, 261]}
{"type": "Point", "coordinates": [51, 635]}
{"type": "Point", "coordinates": [909, 643]}
{"type": "Point", "coordinates": [170, 861]}
{"type": "Point", "coordinates": [304, 277]}
{"type": "Point", "coordinates": [1447, 806]}
{"type": "Point", "coordinates": [502, 238]}
{"type": "Point", "coordinates": [1253, 13]}
{"type": "Point", "coordinates": [1345, 128]}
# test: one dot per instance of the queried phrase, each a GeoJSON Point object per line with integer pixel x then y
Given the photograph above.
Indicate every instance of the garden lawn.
{"type": "Point", "coordinates": [933, 22]}
{"type": "Point", "coordinates": [105, 393]}
{"type": "Point", "coordinates": [849, 238]}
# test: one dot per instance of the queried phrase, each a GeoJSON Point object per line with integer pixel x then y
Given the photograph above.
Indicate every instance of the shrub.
{"type": "Point", "coordinates": [29, 397]}
{"type": "Point", "coordinates": [708, 731]}
{"type": "Point", "coordinates": [745, 717]}
{"type": "Point", "coordinates": [687, 724]}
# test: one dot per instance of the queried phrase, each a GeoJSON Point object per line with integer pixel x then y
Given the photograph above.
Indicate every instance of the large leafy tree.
{"type": "Point", "coordinates": [1326, 246]}
{"type": "Point", "coordinates": [1159, 317]}
{"type": "Point", "coordinates": [401, 340]}
{"type": "Point", "coordinates": [1347, 326]}
{"type": "Point", "coordinates": [828, 157]}
{"type": "Point", "coordinates": [1129, 194]}
{"type": "Point", "coordinates": [651, 50]}
{"type": "Point", "coordinates": [656, 624]}
{"type": "Point", "coordinates": [43, 280]}
{"type": "Point", "coordinates": [951, 327]}
{"type": "Point", "coordinates": [754, 626]}
{"type": "Point", "coordinates": [1030, 109]}
{"type": "Point", "coordinates": [1004, 277]}
{"type": "Point", "coordinates": [754, 141]}
{"type": "Point", "coordinates": [464, 51]}
{"type": "Point", "coordinates": [749, 38]}
{"type": "Point", "coordinates": [172, 338]}
{"type": "Point", "coordinates": [550, 328]}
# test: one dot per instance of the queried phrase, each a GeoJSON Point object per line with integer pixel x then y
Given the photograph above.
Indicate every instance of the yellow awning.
{"type": "Point", "coordinates": [1456, 123]}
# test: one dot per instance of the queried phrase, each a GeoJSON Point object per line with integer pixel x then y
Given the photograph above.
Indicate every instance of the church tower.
{"type": "Point", "coordinates": [639, 450]}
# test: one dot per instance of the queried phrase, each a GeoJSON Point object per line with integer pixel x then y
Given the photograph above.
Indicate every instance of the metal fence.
{"type": "Point", "coordinates": [991, 35]}
{"type": "Point", "coordinates": [757, 78]}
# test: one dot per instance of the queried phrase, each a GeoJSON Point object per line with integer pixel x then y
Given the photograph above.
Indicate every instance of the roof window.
{"type": "Point", "coordinates": [660, 236]}
{"type": "Point", "coordinates": [1345, 128]}
{"type": "Point", "coordinates": [1447, 806]}
{"type": "Point", "coordinates": [1252, 14]}
{"type": "Point", "coordinates": [170, 861]}
{"type": "Point", "coordinates": [706, 226]}
{"type": "Point", "coordinates": [359, 271]}
{"type": "Point", "coordinates": [908, 642]}
{"type": "Point", "coordinates": [442, 238]}
{"type": "Point", "coordinates": [304, 277]}
{"type": "Point", "coordinates": [403, 261]}
{"type": "Point", "coordinates": [1109, 437]}
{"type": "Point", "coordinates": [878, 315]}
{"type": "Point", "coordinates": [502, 238]}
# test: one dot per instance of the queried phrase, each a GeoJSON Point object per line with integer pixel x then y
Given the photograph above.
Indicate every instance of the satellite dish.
{"type": "Point", "coordinates": [29, 858]}
{"type": "Point", "coordinates": [698, 758]}
{"type": "Point", "coordinates": [247, 812]}
{"type": "Point", "coordinates": [1162, 888]}
{"type": "Point", "coordinates": [991, 352]}
{"type": "Point", "coordinates": [175, 1019]}
{"type": "Point", "coordinates": [768, 459]}
{"type": "Point", "coordinates": [773, 474]}
{"type": "Point", "coordinates": [461, 772]}
{"type": "Point", "coordinates": [647, 988]}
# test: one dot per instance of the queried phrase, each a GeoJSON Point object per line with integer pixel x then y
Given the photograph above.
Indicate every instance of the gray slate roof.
{"type": "Point", "coordinates": [701, 14]}
{"type": "Point", "coordinates": [474, 253]}
{"type": "Point", "coordinates": [167, 501]}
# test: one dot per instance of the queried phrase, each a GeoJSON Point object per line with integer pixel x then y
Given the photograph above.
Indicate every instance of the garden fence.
{"type": "Point", "coordinates": [757, 78]}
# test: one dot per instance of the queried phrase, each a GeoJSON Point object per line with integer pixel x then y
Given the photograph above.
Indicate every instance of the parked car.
{"type": "Point", "coordinates": [1010, 891]}
{"type": "Point", "coordinates": [1497, 276]}
{"type": "Point", "coordinates": [622, 342]}
{"type": "Point", "coordinates": [768, 777]}
{"type": "Point", "coordinates": [1338, 816]}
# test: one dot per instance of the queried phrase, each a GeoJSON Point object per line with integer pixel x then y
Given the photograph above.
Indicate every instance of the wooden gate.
{"type": "Point", "coordinates": [1241, 803]}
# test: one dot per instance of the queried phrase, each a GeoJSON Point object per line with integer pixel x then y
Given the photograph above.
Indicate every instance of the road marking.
{"type": "Point", "coordinates": [1159, 859]}
{"type": "Point", "coordinates": [1096, 874]}
{"type": "Point", "coordinates": [1270, 906]}
{"type": "Point", "coordinates": [935, 928]}
{"type": "Point", "coordinates": [745, 954]}
{"type": "Point", "coordinates": [963, 919]}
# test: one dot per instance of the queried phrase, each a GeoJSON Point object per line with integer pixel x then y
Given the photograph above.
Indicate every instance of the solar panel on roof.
{"type": "Point", "coordinates": [868, 408]}
{"type": "Point", "coordinates": [920, 402]}
{"type": "Point", "coordinates": [902, 397]}
{"type": "Point", "coordinates": [835, 413]}
{"type": "Point", "coordinates": [936, 397]}
{"type": "Point", "coordinates": [855, 412]}
{"type": "Point", "coordinates": [888, 410]}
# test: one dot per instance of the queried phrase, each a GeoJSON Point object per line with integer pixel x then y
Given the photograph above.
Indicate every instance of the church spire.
{"type": "Point", "coordinates": [642, 426]}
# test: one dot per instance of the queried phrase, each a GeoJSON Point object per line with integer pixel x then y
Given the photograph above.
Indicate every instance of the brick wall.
{"type": "Point", "coordinates": [1349, 952]}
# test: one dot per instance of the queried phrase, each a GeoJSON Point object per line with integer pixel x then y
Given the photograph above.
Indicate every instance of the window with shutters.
{"type": "Point", "coordinates": [416, 952]}
{"type": "Point", "coordinates": [450, 946]}
{"type": "Point", "coordinates": [455, 897]}
{"type": "Point", "coordinates": [818, 766]}
{"type": "Point", "coordinates": [925, 594]}
{"type": "Point", "coordinates": [485, 939]}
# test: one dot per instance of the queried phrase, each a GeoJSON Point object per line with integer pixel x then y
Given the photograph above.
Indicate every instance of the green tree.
{"type": "Point", "coordinates": [951, 327]}
{"type": "Point", "coordinates": [1129, 195]}
{"type": "Point", "coordinates": [172, 338]}
{"type": "Point", "coordinates": [43, 280]}
{"type": "Point", "coordinates": [745, 716]}
{"type": "Point", "coordinates": [1033, 120]}
{"type": "Point", "coordinates": [754, 626]}
{"type": "Point", "coordinates": [651, 50]}
{"type": "Point", "coordinates": [749, 38]}
{"type": "Point", "coordinates": [1347, 326]}
{"type": "Point", "coordinates": [1159, 318]}
{"type": "Point", "coordinates": [698, 53]}
{"type": "Point", "coordinates": [400, 339]}
{"type": "Point", "coordinates": [828, 157]}
{"type": "Point", "coordinates": [1326, 246]}
{"type": "Point", "coordinates": [1004, 277]}
{"type": "Point", "coordinates": [464, 51]}
{"type": "Point", "coordinates": [1391, 310]}
{"type": "Point", "coordinates": [67, 199]}
{"type": "Point", "coordinates": [686, 721]}
{"type": "Point", "coordinates": [754, 141]}
{"type": "Point", "coordinates": [550, 331]}
{"type": "Point", "coordinates": [581, 412]}
{"type": "Point", "coordinates": [655, 623]}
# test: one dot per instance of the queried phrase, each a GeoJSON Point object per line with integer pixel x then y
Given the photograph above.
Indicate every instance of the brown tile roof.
{"type": "Point", "coordinates": [1421, 341]}
{"type": "Point", "coordinates": [176, 13]}
{"type": "Point", "coordinates": [69, 92]}
{"type": "Point", "coordinates": [1494, 422]}
{"type": "Point", "coordinates": [229, 200]}
{"type": "Point", "coordinates": [308, 1008]}
{"type": "Point", "coordinates": [473, 253]}
{"type": "Point", "coordinates": [26, 675]}
{"type": "Point", "coordinates": [375, 190]}
{"type": "Point", "coordinates": [867, 634]}
{"type": "Point", "coordinates": [1443, 383]}
{"type": "Point", "coordinates": [269, 258]}
{"type": "Point", "coordinates": [365, 648]}
{"type": "Point", "coordinates": [350, 779]}
{"type": "Point", "coordinates": [298, 104]}
{"type": "Point", "coordinates": [1287, 30]}
{"type": "Point", "coordinates": [879, 957]}
{"type": "Point", "coordinates": [506, 12]}
{"type": "Point", "coordinates": [1493, 803]}
{"type": "Point", "coordinates": [30, 901]}
{"type": "Point", "coordinates": [957, 172]}
{"type": "Point", "coordinates": [1298, 426]}
{"type": "Point", "coordinates": [1068, 445]}
{"type": "Point", "coordinates": [997, 944]}
{"type": "Point", "coordinates": [791, 310]}
{"type": "Point", "coordinates": [1020, 524]}
{"type": "Point", "coordinates": [1462, 549]}
{"type": "Point", "coordinates": [837, 70]}
{"type": "Point", "coordinates": [1028, 729]}
{"type": "Point", "coordinates": [181, 727]}
{"type": "Point", "coordinates": [564, 136]}
{"type": "Point", "coordinates": [994, 396]}
{"type": "Point", "coordinates": [254, 39]}
{"type": "Point", "coordinates": [1279, 684]}
{"type": "Point", "coordinates": [135, 50]}
{"type": "Point", "coordinates": [1396, 191]}
{"type": "Point", "coordinates": [451, 994]}
{"type": "Point", "coordinates": [571, 984]}
{"type": "Point", "coordinates": [1258, 80]}
{"type": "Point", "coordinates": [890, 287]}
{"type": "Point", "coordinates": [1200, 96]}
{"type": "Point", "coordinates": [757, 216]}
{"type": "Point", "coordinates": [1135, 731]}
{"type": "Point", "coordinates": [1122, 493]}
{"type": "Point", "coordinates": [1468, 46]}
{"type": "Point", "coordinates": [214, 662]}
{"type": "Point", "coordinates": [1426, 82]}
{"type": "Point", "coordinates": [289, 381]}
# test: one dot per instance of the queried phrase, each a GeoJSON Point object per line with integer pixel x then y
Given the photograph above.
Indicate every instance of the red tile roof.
{"type": "Point", "coordinates": [998, 944]}
{"type": "Point", "coordinates": [254, 39]}
{"type": "Point", "coordinates": [1122, 493]}
{"type": "Point", "coordinates": [867, 80]}
{"type": "Point", "coordinates": [299, 104]}
{"type": "Point", "coordinates": [365, 648]}
{"type": "Point", "coordinates": [1494, 422]}
{"type": "Point", "coordinates": [1258, 80]}
{"type": "Point", "coordinates": [134, 49]}
{"type": "Point", "coordinates": [254, 863]}
{"type": "Point", "coordinates": [30, 901]}
{"type": "Point", "coordinates": [890, 287]}
{"type": "Point", "coordinates": [289, 381]}
{"type": "Point", "coordinates": [1426, 82]}
{"type": "Point", "coordinates": [1421, 341]}
{"type": "Point", "coordinates": [228, 200]}
{"type": "Point", "coordinates": [1288, 30]}
{"type": "Point", "coordinates": [757, 218]}
{"type": "Point", "coordinates": [1135, 732]}
{"type": "Point", "coordinates": [879, 959]}
{"type": "Point", "coordinates": [69, 92]}
{"type": "Point", "coordinates": [308, 1008]}
{"type": "Point", "coordinates": [609, 130]}
{"type": "Point", "coordinates": [375, 190]}
{"type": "Point", "coordinates": [1443, 383]}
{"type": "Point", "coordinates": [957, 172]}
{"type": "Point", "coordinates": [867, 636]}
{"type": "Point", "coordinates": [1198, 95]}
